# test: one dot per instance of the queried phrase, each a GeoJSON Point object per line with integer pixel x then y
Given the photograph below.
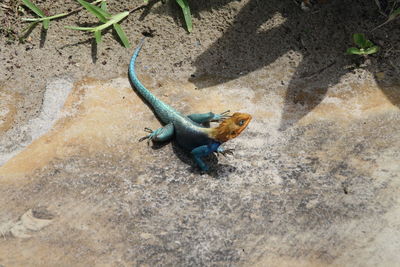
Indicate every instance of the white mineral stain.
{"type": "Point", "coordinates": [56, 93]}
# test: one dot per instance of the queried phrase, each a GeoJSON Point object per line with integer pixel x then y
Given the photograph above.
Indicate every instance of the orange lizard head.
{"type": "Point", "coordinates": [231, 127]}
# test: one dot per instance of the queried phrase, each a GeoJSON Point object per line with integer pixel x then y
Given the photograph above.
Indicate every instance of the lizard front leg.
{"type": "Point", "coordinates": [209, 116]}
{"type": "Point", "coordinates": [160, 135]}
{"type": "Point", "coordinates": [203, 151]}
{"type": "Point", "coordinates": [200, 152]}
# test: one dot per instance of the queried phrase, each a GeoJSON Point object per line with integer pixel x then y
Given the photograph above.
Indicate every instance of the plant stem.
{"type": "Point", "coordinates": [59, 15]}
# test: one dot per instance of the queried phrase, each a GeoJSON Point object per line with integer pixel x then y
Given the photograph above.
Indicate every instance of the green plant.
{"type": "Point", "coordinates": [186, 13]}
{"type": "Point", "coordinates": [42, 17]}
{"type": "Point", "coordinates": [100, 12]}
{"type": "Point", "coordinates": [365, 46]}
{"type": "Point", "coordinates": [107, 19]}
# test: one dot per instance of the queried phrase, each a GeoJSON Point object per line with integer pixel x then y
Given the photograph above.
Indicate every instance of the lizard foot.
{"type": "Point", "coordinates": [148, 130]}
{"type": "Point", "coordinates": [222, 116]}
{"type": "Point", "coordinates": [160, 135]}
{"type": "Point", "coordinates": [225, 152]}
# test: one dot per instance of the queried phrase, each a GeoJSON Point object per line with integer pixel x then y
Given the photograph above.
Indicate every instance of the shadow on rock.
{"type": "Point", "coordinates": [216, 170]}
{"type": "Point", "coordinates": [321, 37]}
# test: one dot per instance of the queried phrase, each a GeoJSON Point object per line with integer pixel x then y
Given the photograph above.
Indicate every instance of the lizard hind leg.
{"type": "Point", "coordinates": [160, 135]}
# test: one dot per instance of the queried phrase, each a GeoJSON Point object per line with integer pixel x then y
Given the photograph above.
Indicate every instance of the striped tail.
{"type": "Point", "coordinates": [163, 111]}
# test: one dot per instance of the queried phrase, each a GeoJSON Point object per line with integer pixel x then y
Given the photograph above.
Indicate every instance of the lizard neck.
{"type": "Point", "coordinates": [215, 134]}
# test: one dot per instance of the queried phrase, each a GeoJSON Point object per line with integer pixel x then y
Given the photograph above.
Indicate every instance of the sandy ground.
{"type": "Point", "coordinates": [314, 180]}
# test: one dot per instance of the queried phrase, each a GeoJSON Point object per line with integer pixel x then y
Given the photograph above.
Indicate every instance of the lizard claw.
{"type": "Point", "coordinates": [143, 138]}
{"type": "Point", "coordinates": [148, 130]}
{"type": "Point", "coordinates": [221, 116]}
{"type": "Point", "coordinates": [225, 113]}
{"type": "Point", "coordinates": [226, 152]}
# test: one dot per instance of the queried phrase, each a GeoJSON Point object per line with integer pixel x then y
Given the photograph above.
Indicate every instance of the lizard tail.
{"type": "Point", "coordinates": [161, 109]}
{"type": "Point", "coordinates": [144, 92]}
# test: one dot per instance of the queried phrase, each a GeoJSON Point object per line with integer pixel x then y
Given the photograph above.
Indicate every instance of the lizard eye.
{"type": "Point", "coordinates": [241, 122]}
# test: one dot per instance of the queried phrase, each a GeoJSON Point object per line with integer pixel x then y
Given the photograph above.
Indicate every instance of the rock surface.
{"type": "Point", "coordinates": [314, 180]}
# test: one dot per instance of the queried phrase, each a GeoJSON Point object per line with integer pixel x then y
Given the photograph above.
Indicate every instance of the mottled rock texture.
{"type": "Point", "coordinates": [314, 180]}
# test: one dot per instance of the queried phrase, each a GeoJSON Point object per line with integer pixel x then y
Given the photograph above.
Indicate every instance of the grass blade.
{"type": "Point", "coordinates": [114, 19]}
{"type": "Point", "coordinates": [97, 35]}
{"type": "Point", "coordinates": [394, 14]}
{"type": "Point", "coordinates": [32, 19]}
{"type": "Point", "coordinates": [103, 5]}
{"type": "Point", "coordinates": [102, 10]}
{"type": "Point", "coordinates": [45, 18]}
{"type": "Point", "coordinates": [34, 8]}
{"type": "Point", "coordinates": [80, 28]}
{"type": "Point", "coordinates": [186, 14]}
{"type": "Point", "coordinates": [46, 24]}
{"type": "Point", "coordinates": [122, 35]}
{"type": "Point", "coordinates": [98, 12]}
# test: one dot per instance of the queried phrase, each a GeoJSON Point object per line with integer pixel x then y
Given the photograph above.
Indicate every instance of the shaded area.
{"type": "Point", "coordinates": [321, 37]}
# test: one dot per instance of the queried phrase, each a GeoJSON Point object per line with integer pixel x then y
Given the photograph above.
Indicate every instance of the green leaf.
{"type": "Point", "coordinates": [122, 35]}
{"type": "Point", "coordinates": [80, 28]}
{"type": "Point", "coordinates": [186, 13]}
{"type": "Point", "coordinates": [95, 10]}
{"type": "Point", "coordinates": [97, 35]}
{"type": "Point", "coordinates": [146, 1]}
{"type": "Point", "coordinates": [359, 39]}
{"type": "Point", "coordinates": [372, 50]}
{"type": "Point", "coordinates": [114, 19]}
{"type": "Point", "coordinates": [102, 9]}
{"type": "Point", "coordinates": [110, 20]}
{"type": "Point", "coordinates": [45, 18]}
{"type": "Point", "coordinates": [103, 5]}
{"type": "Point", "coordinates": [368, 44]}
{"type": "Point", "coordinates": [34, 8]}
{"type": "Point", "coordinates": [46, 24]}
{"type": "Point", "coordinates": [354, 51]}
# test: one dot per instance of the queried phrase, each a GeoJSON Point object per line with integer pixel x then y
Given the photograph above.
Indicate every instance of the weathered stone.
{"type": "Point", "coordinates": [314, 180]}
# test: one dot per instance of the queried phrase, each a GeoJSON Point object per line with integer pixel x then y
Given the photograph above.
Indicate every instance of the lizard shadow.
{"type": "Point", "coordinates": [216, 170]}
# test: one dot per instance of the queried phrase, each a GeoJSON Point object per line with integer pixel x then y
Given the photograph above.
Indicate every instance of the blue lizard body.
{"type": "Point", "coordinates": [188, 131]}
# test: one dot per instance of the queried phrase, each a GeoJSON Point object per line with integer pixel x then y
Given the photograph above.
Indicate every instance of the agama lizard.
{"type": "Point", "coordinates": [189, 131]}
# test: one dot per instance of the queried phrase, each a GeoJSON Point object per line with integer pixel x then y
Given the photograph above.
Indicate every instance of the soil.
{"type": "Point", "coordinates": [313, 182]}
